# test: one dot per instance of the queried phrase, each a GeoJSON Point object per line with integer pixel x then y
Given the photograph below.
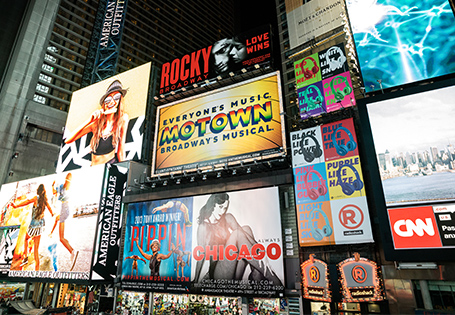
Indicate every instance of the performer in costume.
{"type": "Point", "coordinates": [134, 268]}
{"type": "Point", "coordinates": [155, 258]}
{"type": "Point", "coordinates": [217, 227]}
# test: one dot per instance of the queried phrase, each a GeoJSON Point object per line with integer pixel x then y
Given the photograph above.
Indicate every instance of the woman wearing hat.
{"type": "Point", "coordinates": [108, 126]}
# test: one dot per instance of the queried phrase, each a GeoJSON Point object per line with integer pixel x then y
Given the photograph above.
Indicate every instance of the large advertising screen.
{"type": "Point", "coordinates": [44, 217]}
{"type": "Point", "coordinates": [231, 124]}
{"type": "Point", "coordinates": [415, 151]}
{"type": "Point", "coordinates": [402, 41]}
{"type": "Point", "coordinates": [222, 57]}
{"type": "Point", "coordinates": [105, 121]}
{"type": "Point", "coordinates": [329, 186]}
{"type": "Point", "coordinates": [210, 244]}
{"type": "Point", "coordinates": [312, 19]}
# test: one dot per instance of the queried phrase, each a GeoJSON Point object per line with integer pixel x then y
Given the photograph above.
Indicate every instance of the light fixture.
{"type": "Point", "coordinates": [172, 93]}
{"type": "Point", "coordinates": [204, 177]}
{"type": "Point", "coordinates": [142, 186]}
{"type": "Point", "coordinates": [195, 85]}
{"type": "Point", "coordinates": [257, 66]}
{"type": "Point", "coordinates": [177, 181]}
{"type": "Point", "coordinates": [183, 89]}
{"type": "Point", "coordinates": [156, 98]}
{"type": "Point", "coordinates": [243, 70]}
{"type": "Point", "coordinates": [165, 183]}
{"type": "Point", "coordinates": [207, 81]}
{"type": "Point", "coordinates": [153, 185]}
{"type": "Point", "coordinates": [136, 181]}
{"type": "Point", "coordinates": [218, 175]}
{"type": "Point", "coordinates": [192, 179]}
{"type": "Point", "coordinates": [219, 78]}
{"type": "Point", "coordinates": [248, 170]}
{"type": "Point", "coordinates": [127, 189]}
{"type": "Point", "coordinates": [162, 95]}
{"type": "Point", "coordinates": [234, 172]}
{"type": "Point", "coordinates": [231, 74]}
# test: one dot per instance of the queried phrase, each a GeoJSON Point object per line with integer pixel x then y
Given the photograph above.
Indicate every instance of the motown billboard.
{"type": "Point", "coordinates": [231, 124]}
{"type": "Point", "coordinates": [105, 121]}
{"type": "Point", "coordinates": [222, 57]}
{"type": "Point", "coordinates": [209, 244]}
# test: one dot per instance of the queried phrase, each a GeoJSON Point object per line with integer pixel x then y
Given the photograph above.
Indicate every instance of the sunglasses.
{"type": "Point", "coordinates": [116, 97]}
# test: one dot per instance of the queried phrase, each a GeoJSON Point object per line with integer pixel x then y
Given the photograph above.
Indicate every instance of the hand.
{"type": "Point", "coordinates": [97, 114]}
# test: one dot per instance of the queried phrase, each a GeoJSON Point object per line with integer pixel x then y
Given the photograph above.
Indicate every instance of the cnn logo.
{"type": "Point", "coordinates": [414, 228]}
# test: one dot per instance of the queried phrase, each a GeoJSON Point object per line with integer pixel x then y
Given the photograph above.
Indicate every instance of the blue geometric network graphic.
{"type": "Point", "coordinates": [402, 41]}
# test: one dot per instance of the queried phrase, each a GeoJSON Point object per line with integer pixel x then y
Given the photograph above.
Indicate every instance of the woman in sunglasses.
{"type": "Point", "coordinates": [108, 126]}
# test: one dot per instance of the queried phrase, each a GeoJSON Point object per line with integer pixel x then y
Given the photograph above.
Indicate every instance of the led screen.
{"type": "Point", "coordinates": [228, 125]}
{"type": "Point", "coordinates": [105, 121]}
{"type": "Point", "coordinates": [223, 243]}
{"type": "Point", "coordinates": [413, 138]}
{"type": "Point", "coordinates": [402, 41]}
{"type": "Point", "coordinates": [44, 217]}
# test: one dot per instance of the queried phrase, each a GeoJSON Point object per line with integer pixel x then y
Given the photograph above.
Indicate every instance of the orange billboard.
{"type": "Point", "coordinates": [232, 124]}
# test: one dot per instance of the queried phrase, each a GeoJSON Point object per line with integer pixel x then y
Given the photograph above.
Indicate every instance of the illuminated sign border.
{"type": "Point", "coordinates": [305, 284]}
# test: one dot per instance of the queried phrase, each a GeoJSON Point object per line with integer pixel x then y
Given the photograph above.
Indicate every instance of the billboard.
{"type": "Point", "coordinates": [329, 186]}
{"type": "Point", "coordinates": [416, 159]}
{"type": "Point", "coordinates": [360, 280]}
{"type": "Point", "coordinates": [309, 20]}
{"type": "Point", "coordinates": [400, 42]}
{"type": "Point", "coordinates": [323, 82]}
{"type": "Point", "coordinates": [105, 121]}
{"type": "Point", "coordinates": [222, 57]}
{"type": "Point", "coordinates": [51, 212]}
{"type": "Point", "coordinates": [210, 244]}
{"type": "Point", "coordinates": [231, 124]}
{"type": "Point", "coordinates": [424, 227]}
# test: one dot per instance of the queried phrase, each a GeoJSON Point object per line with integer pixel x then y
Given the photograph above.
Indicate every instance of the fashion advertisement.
{"type": "Point", "coordinates": [210, 244]}
{"type": "Point", "coordinates": [105, 121]}
{"type": "Point", "coordinates": [227, 125]}
{"type": "Point", "coordinates": [329, 187]}
{"type": "Point", "coordinates": [51, 211]}
{"type": "Point", "coordinates": [226, 56]}
{"type": "Point", "coordinates": [107, 246]}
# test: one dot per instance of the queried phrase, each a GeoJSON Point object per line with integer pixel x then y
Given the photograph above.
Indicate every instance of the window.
{"type": "Point", "coordinates": [39, 99]}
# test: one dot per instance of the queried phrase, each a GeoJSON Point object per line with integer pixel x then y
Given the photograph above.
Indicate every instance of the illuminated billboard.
{"type": "Point", "coordinates": [195, 244]}
{"type": "Point", "coordinates": [312, 19]}
{"type": "Point", "coordinates": [222, 57]}
{"type": "Point", "coordinates": [415, 152]}
{"type": "Point", "coordinates": [227, 125]}
{"type": "Point", "coordinates": [105, 121]}
{"type": "Point", "coordinates": [402, 41]}
{"type": "Point", "coordinates": [329, 186]}
{"type": "Point", "coordinates": [51, 212]}
{"type": "Point", "coordinates": [323, 82]}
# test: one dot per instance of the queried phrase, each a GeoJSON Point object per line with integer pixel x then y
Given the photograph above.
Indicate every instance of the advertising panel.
{"type": "Point", "coordinates": [315, 280]}
{"type": "Point", "coordinates": [232, 124]}
{"type": "Point", "coordinates": [329, 188]}
{"type": "Point", "coordinates": [107, 248]}
{"type": "Point", "coordinates": [224, 56]}
{"type": "Point", "coordinates": [210, 244]}
{"type": "Point", "coordinates": [428, 227]}
{"type": "Point", "coordinates": [416, 159]}
{"type": "Point", "coordinates": [51, 212]}
{"type": "Point", "coordinates": [323, 82]}
{"type": "Point", "coordinates": [105, 121]}
{"type": "Point", "coordinates": [360, 280]}
{"type": "Point", "coordinates": [312, 19]}
{"type": "Point", "coordinates": [400, 42]}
